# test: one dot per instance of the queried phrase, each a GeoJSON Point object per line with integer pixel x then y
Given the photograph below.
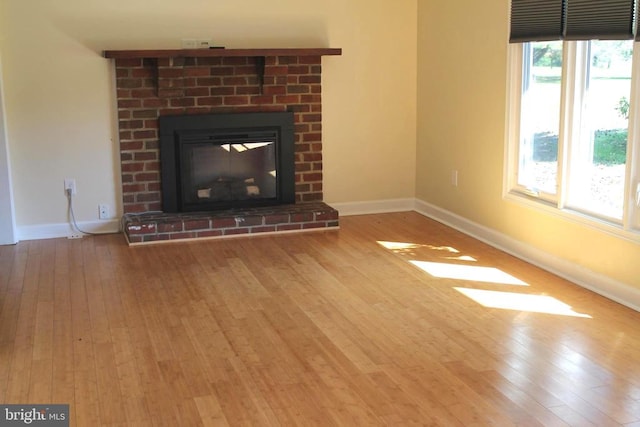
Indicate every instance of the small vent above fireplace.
{"type": "Point", "coordinates": [221, 161]}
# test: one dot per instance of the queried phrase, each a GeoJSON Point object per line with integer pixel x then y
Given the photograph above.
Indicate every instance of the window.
{"type": "Point", "coordinates": [540, 118]}
{"type": "Point", "coordinates": [574, 140]}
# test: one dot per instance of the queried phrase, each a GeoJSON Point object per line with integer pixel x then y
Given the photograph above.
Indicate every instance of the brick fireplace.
{"type": "Point", "coordinates": [151, 84]}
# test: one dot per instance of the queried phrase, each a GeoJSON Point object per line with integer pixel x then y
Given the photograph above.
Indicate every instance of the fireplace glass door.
{"type": "Point", "coordinates": [225, 168]}
{"type": "Point", "coordinates": [226, 161]}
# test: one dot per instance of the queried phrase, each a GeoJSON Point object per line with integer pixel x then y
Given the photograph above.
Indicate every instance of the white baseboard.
{"type": "Point", "coordinates": [374, 207]}
{"type": "Point", "coordinates": [52, 231]}
{"type": "Point", "coordinates": [622, 293]}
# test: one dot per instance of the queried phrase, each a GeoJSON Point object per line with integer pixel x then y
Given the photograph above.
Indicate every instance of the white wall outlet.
{"type": "Point", "coordinates": [103, 211]}
{"type": "Point", "coordinates": [454, 178]}
{"type": "Point", "coordinates": [70, 184]}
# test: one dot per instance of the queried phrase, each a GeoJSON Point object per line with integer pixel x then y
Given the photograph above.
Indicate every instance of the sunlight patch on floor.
{"type": "Point", "coordinates": [474, 273]}
{"type": "Point", "coordinates": [462, 258]}
{"type": "Point", "coordinates": [520, 302]}
{"type": "Point", "coordinates": [400, 246]}
{"type": "Point", "coordinates": [468, 272]}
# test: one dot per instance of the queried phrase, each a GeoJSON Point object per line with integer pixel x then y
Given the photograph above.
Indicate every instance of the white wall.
{"type": "Point", "coordinates": [60, 105]}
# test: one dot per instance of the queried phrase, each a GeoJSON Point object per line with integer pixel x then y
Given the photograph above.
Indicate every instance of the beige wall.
{"type": "Point", "coordinates": [461, 125]}
{"type": "Point", "coordinates": [59, 93]}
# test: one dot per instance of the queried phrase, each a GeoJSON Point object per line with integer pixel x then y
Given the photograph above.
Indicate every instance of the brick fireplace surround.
{"type": "Point", "coordinates": [221, 81]}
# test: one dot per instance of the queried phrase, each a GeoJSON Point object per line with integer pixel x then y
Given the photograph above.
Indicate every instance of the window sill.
{"type": "Point", "coordinates": [599, 224]}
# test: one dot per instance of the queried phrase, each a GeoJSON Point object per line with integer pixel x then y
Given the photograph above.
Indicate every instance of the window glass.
{"type": "Point", "coordinates": [540, 116]}
{"type": "Point", "coordinates": [597, 156]}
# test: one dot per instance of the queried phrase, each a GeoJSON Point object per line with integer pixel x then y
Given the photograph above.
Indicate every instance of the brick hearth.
{"type": "Point", "coordinates": [151, 87]}
{"type": "Point", "coordinates": [160, 227]}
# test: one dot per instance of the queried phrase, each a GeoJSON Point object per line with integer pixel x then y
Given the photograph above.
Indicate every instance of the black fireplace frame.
{"type": "Point", "coordinates": [171, 127]}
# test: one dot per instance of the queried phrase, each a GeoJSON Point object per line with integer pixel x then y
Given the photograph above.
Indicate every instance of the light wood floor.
{"type": "Point", "coordinates": [328, 328]}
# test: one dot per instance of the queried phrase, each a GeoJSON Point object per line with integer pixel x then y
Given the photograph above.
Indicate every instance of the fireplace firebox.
{"type": "Point", "coordinates": [224, 161]}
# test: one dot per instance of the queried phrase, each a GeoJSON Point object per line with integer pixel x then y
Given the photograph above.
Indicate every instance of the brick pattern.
{"type": "Point", "coordinates": [149, 88]}
{"type": "Point", "coordinates": [148, 228]}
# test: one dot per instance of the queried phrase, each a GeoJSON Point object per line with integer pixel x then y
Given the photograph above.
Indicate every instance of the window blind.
{"type": "Point", "coordinates": [536, 20]}
{"type": "Point", "coordinates": [599, 19]}
{"type": "Point", "coordinates": [542, 20]}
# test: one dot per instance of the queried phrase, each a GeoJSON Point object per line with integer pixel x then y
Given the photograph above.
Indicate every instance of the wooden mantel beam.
{"type": "Point", "coordinates": [219, 52]}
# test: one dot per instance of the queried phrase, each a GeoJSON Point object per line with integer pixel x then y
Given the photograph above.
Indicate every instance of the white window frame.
{"type": "Point", "coordinates": [574, 56]}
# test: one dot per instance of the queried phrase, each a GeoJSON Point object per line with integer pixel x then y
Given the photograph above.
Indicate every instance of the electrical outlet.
{"type": "Point", "coordinates": [70, 184]}
{"type": "Point", "coordinates": [75, 236]}
{"type": "Point", "coordinates": [103, 211]}
{"type": "Point", "coordinates": [454, 178]}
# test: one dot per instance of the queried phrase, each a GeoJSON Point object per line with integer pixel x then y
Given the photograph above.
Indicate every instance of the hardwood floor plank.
{"type": "Point", "coordinates": [210, 411]}
{"type": "Point", "coordinates": [20, 360]}
{"type": "Point", "coordinates": [63, 340]}
{"type": "Point", "coordinates": [392, 320]}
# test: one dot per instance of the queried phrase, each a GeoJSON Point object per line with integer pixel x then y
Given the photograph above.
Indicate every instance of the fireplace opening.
{"type": "Point", "coordinates": [222, 161]}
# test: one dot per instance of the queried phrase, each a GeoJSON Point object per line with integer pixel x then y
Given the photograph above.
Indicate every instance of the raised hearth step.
{"type": "Point", "coordinates": [162, 227]}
